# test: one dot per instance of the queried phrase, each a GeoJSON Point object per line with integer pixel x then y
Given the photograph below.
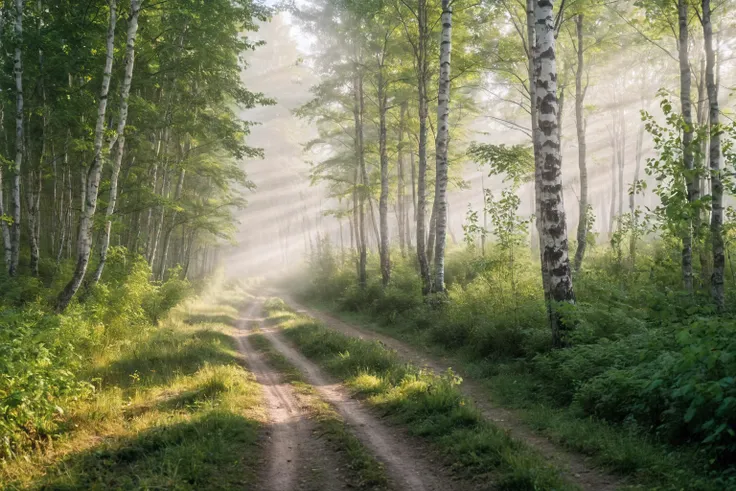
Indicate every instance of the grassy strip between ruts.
{"type": "Point", "coordinates": [366, 471]}
{"type": "Point", "coordinates": [174, 409]}
{"type": "Point", "coordinates": [429, 405]}
{"type": "Point", "coordinates": [648, 464]}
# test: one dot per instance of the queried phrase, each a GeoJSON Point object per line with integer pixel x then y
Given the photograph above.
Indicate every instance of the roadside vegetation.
{"type": "Point", "coordinates": [136, 387]}
{"type": "Point", "coordinates": [645, 386]}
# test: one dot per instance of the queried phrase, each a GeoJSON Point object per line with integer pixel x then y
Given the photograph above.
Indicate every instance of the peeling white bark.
{"type": "Point", "coordinates": [553, 222]}
{"type": "Point", "coordinates": [18, 72]}
{"type": "Point", "coordinates": [84, 237]}
{"type": "Point", "coordinates": [118, 145]}
{"type": "Point", "coordinates": [442, 141]}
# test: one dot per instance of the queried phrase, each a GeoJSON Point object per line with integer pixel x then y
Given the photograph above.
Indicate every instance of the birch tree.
{"type": "Point", "coordinates": [84, 237]}
{"type": "Point", "coordinates": [714, 151]}
{"type": "Point", "coordinates": [553, 222]}
{"type": "Point", "coordinates": [442, 141]}
{"type": "Point", "coordinates": [687, 140]}
{"type": "Point", "coordinates": [118, 144]}
{"type": "Point", "coordinates": [19, 140]}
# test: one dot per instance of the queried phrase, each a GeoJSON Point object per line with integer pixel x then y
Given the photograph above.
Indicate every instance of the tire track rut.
{"type": "Point", "coordinates": [295, 458]}
{"type": "Point", "coordinates": [407, 466]}
{"type": "Point", "coordinates": [575, 467]}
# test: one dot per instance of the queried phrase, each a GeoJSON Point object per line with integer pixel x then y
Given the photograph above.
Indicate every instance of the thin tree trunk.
{"type": "Point", "coordinates": [188, 257]}
{"type": "Point", "coordinates": [716, 223]}
{"type": "Point", "coordinates": [118, 147]}
{"type": "Point", "coordinates": [554, 229]}
{"type": "Point", "coordinates": [432, 235]}
{"type": "Point", "coordinates": [360, 168]}
{"type": "Point", "coordinates": [413, 184]}
{"type": "Point", "coordinates": [632, 196]}
{"type": "Point", "coordinates": [582, 235]}
{"type": "Point", "coordinates": [422, 174]}
{"type": "Point", "coordinates": [7, 248]}
{"type": "Point", "coordinates": [687, 139]}
{"type": "Point", "coordinates": [621, 163]}
{"type": "Point", "coordinates": [149, 215]}
{"type": "Point", "coordinates": [84, 239]}
{"type": "Point", "coordinates": [401, 185]}
{"type": "Point", "coordinates": [614, 186]}
{"type": "Point", "coordinates": [531, 42]}
{"type": "Point", "coordinates": [160, 221]}
{"type": "Point", "coordinates": [170, 229]}
{"type": "Point", "coordinates": [33, 196]}
{"type": "Point", "coordinates": [485, 215]}
{"type": "Point", "coordinates": [383, 200]}
{"type": "Point", "coordinates": [18, 72]}
{"type": "Point", "coordinates": [443, 137]}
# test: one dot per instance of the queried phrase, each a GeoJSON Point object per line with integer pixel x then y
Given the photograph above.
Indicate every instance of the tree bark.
{"type": "Point", "coordinates": [554, 229]}
{"type": "Point", "coordinates": [621, 163]}
{"type": "Point", "coordinates": [582, 235]}
{"type": "Point", "coordinates": [614, 186]}
{"type": "Point", "coordinates": [442, 142]}
{"type": "Point", "coordinates": [383, 199]}
{"type": "Point", "coordinates": [160, 221]}
{"type": "Point", "coordinates": [531, 42]}
{"type": "Point", "coordinates": [401, 185]}
{"type": "Point", "coordinates": [84, 238]}
{"type": "Point", "coordinates": [413, 184]}
{"type": "Point", "coordinates": [4, 228]}
{"type": "Point", "coordinates": [33, 198]}
{"type": "Point", "coordinates": [18, 73]}
{"type": "Point", "coordinates": [422, 171]}
{"type": "Point", "coordinates": [360, 174]}
{"type": "Point", "coordinates": [632, 196]}
{"type": "Point", "coordinates": [432, 235]}
{"type": "Point", "coordinates": [172, 226]}
{"type": "Point", "coordinates": [118, 145]}
{"type": "Point", "coordinates": [687, 140]}
{"type": "Point", "coordinates": [716, 220]}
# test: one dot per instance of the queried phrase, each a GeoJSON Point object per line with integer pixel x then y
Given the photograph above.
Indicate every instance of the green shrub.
{"type": "Point", "coordinates": [38, 363]}
{"type": "Point", "coordinates": [42, 353]}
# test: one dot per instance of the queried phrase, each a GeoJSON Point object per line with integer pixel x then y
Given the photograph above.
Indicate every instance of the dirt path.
{"type": "Point", "coordinates": [295, 458]}
{"type": "Point", "coordinates": [577, 468]}
{"type": "Point", "coordinates": [407, 466]}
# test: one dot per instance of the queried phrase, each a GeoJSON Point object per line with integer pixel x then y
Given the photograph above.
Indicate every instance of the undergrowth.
{"type": "Point", "coordinates": [121, 391]}
{"type": "Point", "coordinates": [647, 364]}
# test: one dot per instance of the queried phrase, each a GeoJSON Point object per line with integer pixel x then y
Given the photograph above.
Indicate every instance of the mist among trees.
{"type": "Point", "coordinates": [506, 227]}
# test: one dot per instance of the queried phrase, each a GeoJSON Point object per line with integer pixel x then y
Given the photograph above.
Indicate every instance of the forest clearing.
{"type": "Point", "coordinates": [387, 245]}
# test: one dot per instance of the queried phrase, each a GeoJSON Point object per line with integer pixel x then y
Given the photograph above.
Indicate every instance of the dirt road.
{"type": "Point", "coordinates": [576, 467]}
{"type": "Point", "coordinates": [296, 459]}
{"type": "Point", "coordinates": [408, 466]}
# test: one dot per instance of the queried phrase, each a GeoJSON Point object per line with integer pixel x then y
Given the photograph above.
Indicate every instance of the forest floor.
{"type": "Point", "coordinates": [575, 467]}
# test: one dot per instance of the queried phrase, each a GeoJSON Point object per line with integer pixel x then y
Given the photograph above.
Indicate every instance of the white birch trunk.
{"type": "Point", "coordinates": [553, 223]}
{"type": "Point", "coordinates": [421, 208]}
{"type": "Point", "coordinates": [118, 148]}
{"type": "Point", "coordinates": [582, 234]}
{"type": "Point", "coordinates": [84, 237]}
{"type": "Point", "coordinates": [442, 141]}
{"type": "Point", "coordinates": [687, 139]}
{"type": "Point", "coordinates": [716, 218]}
{"type": "Point", "coordinates": [383, 200]}
{"type": "Point", "coordinates": [18, 72]}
